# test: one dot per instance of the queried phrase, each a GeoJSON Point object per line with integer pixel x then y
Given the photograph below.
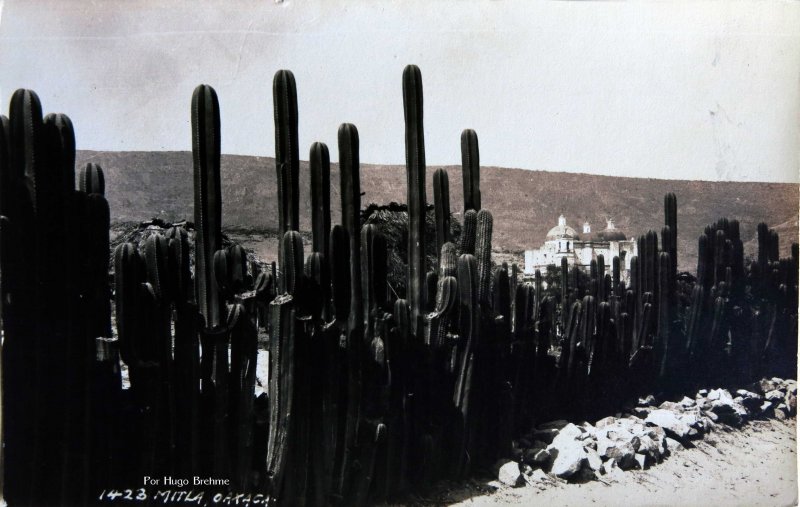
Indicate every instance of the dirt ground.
{"type": "Point", "coordinates": [752, 466]}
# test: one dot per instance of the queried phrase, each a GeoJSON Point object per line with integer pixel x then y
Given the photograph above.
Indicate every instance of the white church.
{"type": "Point", "coordinates": [562, 241]}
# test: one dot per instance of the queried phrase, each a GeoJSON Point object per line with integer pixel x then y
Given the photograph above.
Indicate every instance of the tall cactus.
{"type": "Point", "coordinates": [287, 150]}
{"type": "Point", "coordinates": [25, 331]}
{"type": "Point", "coordinates": [415, 178]}
{"type": "Point", "coordinates": [350, 189]}
{"type": "Point", "coordinates": [351, 221]}
{"type": "Point", "coordinates": [207, 201]}
{"type": "Point", "coordinates": [471, 170]}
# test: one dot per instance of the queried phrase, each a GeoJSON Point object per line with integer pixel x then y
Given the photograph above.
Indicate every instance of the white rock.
{"type": "Point", "coordinates": [720, 394]}
{"type": "Point", "coordinates": [593, 460]}
{"type": "Point", "coordinates": [790, 400]}
{"type": "Point", "coordinates": [610, 469]}
{"type": "Point", "coordinates": [672, 445]}
{"type": "Point", "coordinates": [624, 454]}
{"type": "Point", "coordinates": [669, 421]}
{"type": "Point", "coordinates": [606, 421]}
{"type": "Point", "coordinates": [538, 476]}
{"type": "Point", "coordinates": [671, 405]}
{"type": "Point", "coordinates": [774, 396]}
{"type": "Point", "coordinates": [650, 447]}
{"type": "Point", "coordinates": [569, 453]}
{"type": "Point", "coordinates": [510, 475]}
{"type": "Point", "coordinates": [568, 432]}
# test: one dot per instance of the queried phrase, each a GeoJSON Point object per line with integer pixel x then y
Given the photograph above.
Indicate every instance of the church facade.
{"type": "Point", "coordinates": [562, 241]}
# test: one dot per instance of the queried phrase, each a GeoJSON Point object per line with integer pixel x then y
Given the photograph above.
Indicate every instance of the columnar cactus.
{"type": "Point", "coordinates": [31, 206]}
{"type": "Point", "coordinates": [373, 277]}
{"type": "Point", "coordinates": [470, 170]}
{"type": "Point", "coordinates": [186, 351]}
{"type": "Point", "coordinates": [91, 179]}
{"type": "Point", "coordinates": [415, 176]}
{"type": "Point", "coordinates": [207, 201]}
{"type": "Point", "coordinates": [129, 276]}
{"type": "Point", "coordinates": [441, 200]}
{"type": "Point", "coordinates": [601, 273]}
{"type": "Point", "coordinates": [470, 328]}
{"type": "Point", "coordinates": [351, 210]}
{"type": "Point", "coordinates": [350, 189]}
{"type": "Point", "coordinates": [537, 286]}
{"type": "Point", "coordinates": [483, 254]}
{"type": "Point", "coordinates": [665, 313]}
{"type": "Point", "coordinates": [340, 274]}
{"type": "Point", "coordinates": [671, 221]}
{"type": "Point", "coordinates": [282, 391]}
{"type": "Point", "coordinates": [501, 299]}
{"type": "Point", "coordinates": [287, 150]}
{"type": "Point", "coordinates": [448, 260]}
{"type": "Point", "coordinates": [468, 232]}
{"type": "Point", "coordinates": [319, 160]}
{"type": "Point", "coordinates": [292, 261]}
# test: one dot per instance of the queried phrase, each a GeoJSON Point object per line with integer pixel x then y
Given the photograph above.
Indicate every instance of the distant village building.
{"type": "Point", "coordinates": [562, 241]}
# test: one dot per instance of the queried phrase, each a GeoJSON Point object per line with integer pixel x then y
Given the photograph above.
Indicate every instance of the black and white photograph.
{"type": "Point", "coordinates": [399, 253]}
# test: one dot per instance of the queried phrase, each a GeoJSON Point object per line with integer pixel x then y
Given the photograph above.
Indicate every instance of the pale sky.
{"type": "Point", "coordinates": [688, 90]}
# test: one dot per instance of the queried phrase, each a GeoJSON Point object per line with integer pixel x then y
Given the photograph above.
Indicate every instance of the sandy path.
{"type": "Point", "coordinates": [753, 466]}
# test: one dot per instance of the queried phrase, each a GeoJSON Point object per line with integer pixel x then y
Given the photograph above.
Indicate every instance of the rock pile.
{"type": "Point", "coordinates": [640, 437]}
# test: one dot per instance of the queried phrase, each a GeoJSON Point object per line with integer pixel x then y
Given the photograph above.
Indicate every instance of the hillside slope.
{"type": "Point", "coordinates": [525, 204]}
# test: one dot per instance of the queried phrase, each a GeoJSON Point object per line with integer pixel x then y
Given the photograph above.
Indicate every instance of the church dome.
{"type": "Point", "coordinates": [562, 230]}
{"type": "Point", "coordinates": [611, 233]}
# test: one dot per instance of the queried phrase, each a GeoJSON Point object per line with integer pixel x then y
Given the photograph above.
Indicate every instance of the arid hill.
{"type": "Point", "coordinates": [525, 204]}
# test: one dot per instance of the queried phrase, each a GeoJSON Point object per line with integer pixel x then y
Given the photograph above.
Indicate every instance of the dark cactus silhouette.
{"type": "Point", "coordinates": [471, 170]}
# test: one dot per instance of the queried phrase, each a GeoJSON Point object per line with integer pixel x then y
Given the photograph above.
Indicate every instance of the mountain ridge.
{"type": "Point", "coordinates": [525, 203]}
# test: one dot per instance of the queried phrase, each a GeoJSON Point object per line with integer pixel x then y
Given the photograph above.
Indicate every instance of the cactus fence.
{"type": "Point", "coordinates": [370, 396]}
